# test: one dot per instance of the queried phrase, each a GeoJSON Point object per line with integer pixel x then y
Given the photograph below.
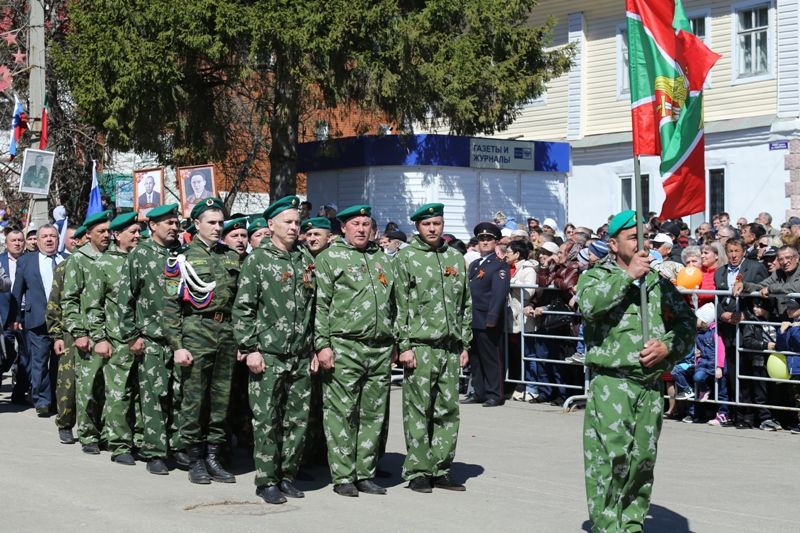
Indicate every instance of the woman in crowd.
{"type": "Point", "coordinates": [710, 260]}
{"type": "Point", "coordinates": [523, 272]}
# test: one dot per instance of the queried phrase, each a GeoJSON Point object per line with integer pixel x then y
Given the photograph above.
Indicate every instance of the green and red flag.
{"type": "Point", "coordinates": [668, 66]}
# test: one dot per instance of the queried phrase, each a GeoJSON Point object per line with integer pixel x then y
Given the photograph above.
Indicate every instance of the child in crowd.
{"type": "Point", "coordinates": [788, 339]}
{"type": "Point", "coordinates": [755, 339]}
{"type": "Point", "coordinates": [710, 362]}
{"type": "Point", "coordinates": [682, 373]}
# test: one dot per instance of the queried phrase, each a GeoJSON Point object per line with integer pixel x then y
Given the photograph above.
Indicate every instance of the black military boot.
{"type": "Point", "coordinates": [197, 467]}
{"type": "Point", "coordinates": [214, 466]}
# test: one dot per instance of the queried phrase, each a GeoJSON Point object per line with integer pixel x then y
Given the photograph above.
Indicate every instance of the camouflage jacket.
{"type": "Point", "coordinates": [73, 298]}
{"type": "Point", "coordinates": [54, 316]}
{"type": "Point", "coordinates": [273, 307]}
{"type": "Point", "coordinates": [434, 303]}
{"type": "Point", "coordinates": [609, 301]}
{"type": "Point", "coordinates": [216, 263]}
{"type": "Point", "coordinates": [143, 291]}
{"type": "Point", "coordinates": [355, 294]}
{"type": "Point", "coordinates": [103, 309]}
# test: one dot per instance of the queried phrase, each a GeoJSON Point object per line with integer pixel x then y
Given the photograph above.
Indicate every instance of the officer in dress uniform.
{"type": "Point", "coordinates": [489, 281]}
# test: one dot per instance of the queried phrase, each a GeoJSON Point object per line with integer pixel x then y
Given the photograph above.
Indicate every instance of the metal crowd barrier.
{"type": "Point", "coordinates": [518, 291]}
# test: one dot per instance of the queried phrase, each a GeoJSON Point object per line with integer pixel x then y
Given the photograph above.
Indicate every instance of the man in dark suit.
{"type": "Point", "coordinates": [728, 318]}
{"type": "Point", "coordinates": [32, 284]}
{"type": "Point", "coordinates": [149, 198]}
{"type": "Point", "coordinates": [13, 344]}
{"type": "Point", "coordinates": [489, 281]}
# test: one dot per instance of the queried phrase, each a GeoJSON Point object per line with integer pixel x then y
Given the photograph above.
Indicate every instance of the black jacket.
{"type": "Point", "coordinates": [489, 282]}
{"type": "Point", "coordinates": [751, 272]}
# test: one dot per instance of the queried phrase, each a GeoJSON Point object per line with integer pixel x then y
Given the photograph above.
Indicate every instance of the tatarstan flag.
{"type": "Point", "coordinates": [668, 66]}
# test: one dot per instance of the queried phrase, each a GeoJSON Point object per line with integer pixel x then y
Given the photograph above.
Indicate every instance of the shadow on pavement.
{"type": "Point", "coordinates": [658, 520]}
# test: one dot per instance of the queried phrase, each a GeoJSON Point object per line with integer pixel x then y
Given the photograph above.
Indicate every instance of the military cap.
{"type": "Point", "coordinates": [428, 211]}
{"type": "Point", "coordinates": [256, 225]}
{"type": "Point", "coordinates": [354, 211]}
{"type": "Point", "coordinates": [398, 235]}
{"type": "Point", "coordinates": [122, 221]}
{"type": "Point", "coordinates": [205, 205]}
{"type": "Point", "coordinates": [80, 231]}
{"type": "Point", "coordinates": [97, 218]}
{"type": "Point", "coordinates": [163, 210]}
{"type": "Point", "coordinates": [316, 222]}
{"type": "Point", "coordinates": [145, 233]}
{"type": "Point", "coordinates": [621, 221]}
{"type": "Point", "coordinates": [234, 223]}
{"type": "Point", "coordinates": [279, 206]}
{"type": "Point", "coordinates": [487, 228]}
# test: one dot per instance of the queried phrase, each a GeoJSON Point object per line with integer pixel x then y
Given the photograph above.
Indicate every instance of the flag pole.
{"type": "Point", "coordinates": [640, 241]}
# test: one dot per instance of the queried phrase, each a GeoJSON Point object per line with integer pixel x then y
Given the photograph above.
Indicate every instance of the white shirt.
{"type": "Point", "coordinates": [12, 268]}
{"type": "Point", "coordinates": [46, 271]}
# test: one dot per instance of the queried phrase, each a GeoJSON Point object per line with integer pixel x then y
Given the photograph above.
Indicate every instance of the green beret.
{"type": "Point", "coordinates": [205, 205]}
{"type": "Point", "coordinates": [163, 210]}
{"type": "Point", "coordinates": [122, 221]}
{"type": "Point", "coordinates": [316, 222]}
{"type": "Point", "coordinates": [97, 218]}
{"type": "Point", "coordinates": [234, 223]}
{"type": "Point", "coordinates": [145, 233]}
{"type": "Point", "coordinates": [256, 225]}
{"type": "Point", "coordinates": [191, 229]}
{"type": "Point", "coordinates": [354, 211]}
{"type": "Point", "coordinates": [428, 211]}
{"type": "Point", "coordinates": [80, 231]}
{"type": "Point", "coordinates": [621, 221]}
{"type": "Point", "coordinates": [279, 206]}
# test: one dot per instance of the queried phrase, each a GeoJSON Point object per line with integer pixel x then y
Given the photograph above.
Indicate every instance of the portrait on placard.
{"type": "Point", "coordinates": [148, 189]}
{"type": "Point", "coordinates": [37, 168]}
{"type": "Point", "coordinates": [196, 184]}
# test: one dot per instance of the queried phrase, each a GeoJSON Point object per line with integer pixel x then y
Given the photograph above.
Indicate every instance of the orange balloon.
{"type": "Point", "coordinates": [690, 278]}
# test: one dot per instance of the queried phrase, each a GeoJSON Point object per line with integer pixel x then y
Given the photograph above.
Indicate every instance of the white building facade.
{"type": "Point", "coordinates": [752, 105]}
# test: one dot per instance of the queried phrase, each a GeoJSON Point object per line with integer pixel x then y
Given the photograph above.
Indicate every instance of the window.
{"type": "Point", "coordinates": [752, 41]}
{"type": "Point", "coordinates": [700, 24]}
{"type": "Point", "coordinates": [716, 190]}
{"type": "Point", "coordinates": [321, 130]}
{"type": "Point", "coordinates": [538, 101]}
{"type": "Point", "coordinates": [628, 193]}
{"type": "Point", "coordinates": [623, 73]}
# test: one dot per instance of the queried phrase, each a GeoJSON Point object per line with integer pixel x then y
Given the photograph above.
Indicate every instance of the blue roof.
{"type": "Point", "coordinates": [414, 150]}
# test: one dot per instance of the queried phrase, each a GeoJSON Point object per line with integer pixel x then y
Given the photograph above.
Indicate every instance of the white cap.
{"type": "Point", "coordinates": [550, 223]}
{"type": "Point", "coordinates": [707, 313]}
{"type": "Point", "coordinates": [550, 247]}
{"type": "Point", "coordinates": [506, 232]}
{"type": "Point", "coordinates": [518, 233]}
{"type": "Point", "coordinates": [662, 238]}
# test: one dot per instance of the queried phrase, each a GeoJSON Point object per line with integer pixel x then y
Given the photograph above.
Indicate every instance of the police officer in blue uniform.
{"type": "Point", "coordinates": [489, 281]}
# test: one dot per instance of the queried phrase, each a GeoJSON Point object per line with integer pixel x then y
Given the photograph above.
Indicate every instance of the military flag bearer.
{"type": "Point", "coordinates": [434, 318]}
{"type": "Point", "coordinates": [625, 401]}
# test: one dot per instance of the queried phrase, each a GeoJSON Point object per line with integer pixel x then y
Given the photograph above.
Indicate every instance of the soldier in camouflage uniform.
{"type": "Point", "coordinates": [434, 318]}
{"type": "Point", "coordinates": [354, 340]}
{"type": "Point", "coordinates": [317, 231]}
{"type": "Point", "coordinates": [103, 313]}
{"type": "Point", "coordinates": [143, 290]}
{"type": "Point", "coordinates": [89, 391]}
{"type": "Point", "coordinates": [197, 323]}
{"type": "Point", "coordinates": [272, 325]}
{"type": "Point", "coordinates": [63, 344]}
{"type": "Point", "coordinates": [625, 402]}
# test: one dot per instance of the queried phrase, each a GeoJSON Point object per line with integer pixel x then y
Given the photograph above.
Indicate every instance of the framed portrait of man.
{"type": "Point", "coordinates": [148, 189]}
{"type": "Point", "coordinates": [37, 168]}
{"type": "Point", "coordinates": [196, 184]}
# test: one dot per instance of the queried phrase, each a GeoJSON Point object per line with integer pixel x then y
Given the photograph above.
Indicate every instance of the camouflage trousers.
{"type": "Point", "coordinates": [119, 411]}
{"type": "Point", "coordinates": [206, 383]}
{"type": "Point", "coordinates": [620, 437]}
{"type": "Point", "coordinates": [354, 406]}
{"type": "Point", "coordinates": [156, 394]}
{"type": "Point", "coordinates": [65, 385]}
{"type": "Point", "coordinates": [279, 400]}
{"type": "Point", "coordinates": [430, 412]}
{"type": "Point", "coordinates": [89, 396]}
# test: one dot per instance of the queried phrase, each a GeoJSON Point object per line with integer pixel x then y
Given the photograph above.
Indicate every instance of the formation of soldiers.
{"type": "Point", "coordinates": [154, 337]}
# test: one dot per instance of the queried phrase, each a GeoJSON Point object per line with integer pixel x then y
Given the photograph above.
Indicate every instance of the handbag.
{"type": "Point", "coordinates": [552, 322]}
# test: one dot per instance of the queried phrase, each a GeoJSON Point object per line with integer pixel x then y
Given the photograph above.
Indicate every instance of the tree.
{"type": "Point", "coordinates": [162, 79]}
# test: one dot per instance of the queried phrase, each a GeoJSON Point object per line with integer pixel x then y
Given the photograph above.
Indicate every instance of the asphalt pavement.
{"type": "Point", "coordinates": [522, 465]}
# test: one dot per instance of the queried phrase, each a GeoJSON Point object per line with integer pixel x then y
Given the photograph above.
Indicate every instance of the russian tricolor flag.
{"type": "Point", "coordinates": [19, 123]}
